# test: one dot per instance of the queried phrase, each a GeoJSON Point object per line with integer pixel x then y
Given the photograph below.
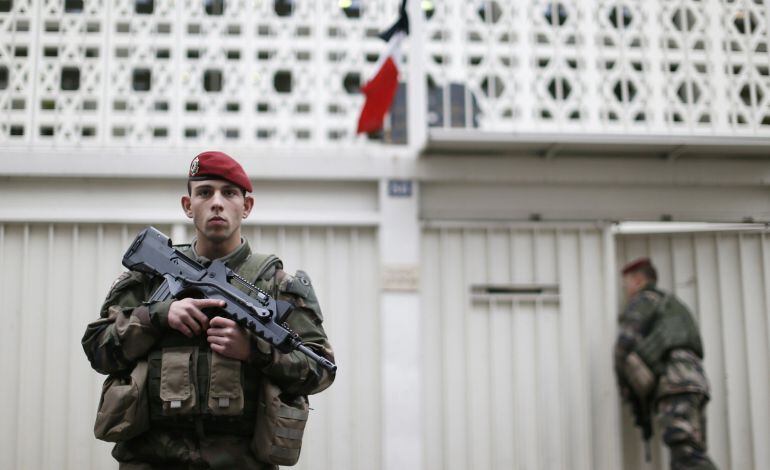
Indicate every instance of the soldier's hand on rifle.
{"type": "Point", "coordinates": [186, 316]}
{"type": "Point", "coordinates": [228, 339]}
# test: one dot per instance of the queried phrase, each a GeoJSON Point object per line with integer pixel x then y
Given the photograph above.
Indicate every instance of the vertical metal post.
{"type": "Point", "coordinates": [613, 458]}
{"type": "Point", "coordinates": [417, 103]}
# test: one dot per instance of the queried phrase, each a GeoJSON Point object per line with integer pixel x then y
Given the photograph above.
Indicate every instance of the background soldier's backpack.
{"type": "Point", "coordinates": [673, 327]}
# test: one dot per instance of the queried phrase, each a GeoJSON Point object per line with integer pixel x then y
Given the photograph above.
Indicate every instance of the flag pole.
{"type": "Point", "coordinates": [417, 103]}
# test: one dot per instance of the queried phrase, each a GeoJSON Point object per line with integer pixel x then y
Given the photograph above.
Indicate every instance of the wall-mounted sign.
{"type": "Point", "coordinates": [401, 278]}
{"type": "Point", "coordinates": [400, 188]}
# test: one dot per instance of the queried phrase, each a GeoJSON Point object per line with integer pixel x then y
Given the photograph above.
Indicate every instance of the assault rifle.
{"type": "Point", "coordinates": [152, 253]}
{"type": "Point", "coordinates": [644, 421]}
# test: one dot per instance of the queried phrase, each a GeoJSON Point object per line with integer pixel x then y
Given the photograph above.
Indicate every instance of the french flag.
{"type": "Point", "coordinates": [380, 90]}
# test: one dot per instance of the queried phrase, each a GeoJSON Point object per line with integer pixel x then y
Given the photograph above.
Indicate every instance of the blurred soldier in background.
{"type": "Point", "coordinates": [659, 365]}
{"type": "Point", "coordinates": [186, 390]}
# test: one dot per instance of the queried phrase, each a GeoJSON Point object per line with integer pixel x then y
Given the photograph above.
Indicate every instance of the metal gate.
{"type": "Point", "coordinates": [519, 323]}
{"type": "Point", "coordinates": [518, 334]}
{"type": "Point", "coordinates": [53, 279]}
{"type": "Point", "coordinates": [725, 278]}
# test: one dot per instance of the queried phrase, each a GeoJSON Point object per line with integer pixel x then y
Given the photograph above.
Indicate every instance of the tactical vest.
{"type": "Point", "coordinates": [189, 385]}
{"type": "Point", "coordinates": [673, 327]}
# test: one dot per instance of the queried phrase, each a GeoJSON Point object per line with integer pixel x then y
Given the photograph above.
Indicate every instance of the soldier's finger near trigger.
{"type": "Point", "coordinates": [203, 303]}
{"type": "Point", "coordinates": [200, 317]}
{"type": "Point", "coordinates": [190, 322]}
{"type": "Point", "coordinates": [185, 330]}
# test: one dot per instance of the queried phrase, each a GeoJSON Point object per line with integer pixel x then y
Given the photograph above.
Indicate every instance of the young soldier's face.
{"type": "Point", "coordinates": [633, 283]}
{"type": "Point", "coordinates": [217, 208]}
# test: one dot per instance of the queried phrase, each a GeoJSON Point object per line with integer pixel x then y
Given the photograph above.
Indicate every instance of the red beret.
{"type": "Point", "coordinates": [219, 165]}
{"type": "Point", "coordinates": [636, 265]}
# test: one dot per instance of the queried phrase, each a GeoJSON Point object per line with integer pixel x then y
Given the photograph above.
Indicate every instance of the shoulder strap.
{"type": "Point", "coordinates": [257, 265]}
{"type": "Point", "coordinates": [185, 248]}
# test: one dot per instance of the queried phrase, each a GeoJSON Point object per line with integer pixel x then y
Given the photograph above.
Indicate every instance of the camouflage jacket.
{"type": "Point", "coordinates": [129, 328]}
{"type": "Point", "coordinates": [683, 369]}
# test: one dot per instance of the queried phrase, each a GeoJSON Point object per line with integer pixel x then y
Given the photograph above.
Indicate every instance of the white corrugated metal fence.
{"type": "Point", "coordinates": [518, 325]}
{"type": "Point", "coordinates": [518, 377]}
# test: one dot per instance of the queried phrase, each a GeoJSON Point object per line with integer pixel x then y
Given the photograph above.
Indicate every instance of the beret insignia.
{"type": "Point", "coordinates": [194, 166]}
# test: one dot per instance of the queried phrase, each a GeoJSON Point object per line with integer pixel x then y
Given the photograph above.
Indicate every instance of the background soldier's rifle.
{"type": "Point", "coordinates": [643, 420]}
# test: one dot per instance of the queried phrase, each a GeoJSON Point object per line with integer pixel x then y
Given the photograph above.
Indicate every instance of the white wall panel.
{"type": "Point", "coordinates": [723, 277]}
{"type": "Point", "coordinates": [158, 200]}
{"type": "Point", "coordinates": [55, 276]}
{"type": "Point", "coordinates": [593, 201]}
{"type": "Point", "coordinates": [517, 382]}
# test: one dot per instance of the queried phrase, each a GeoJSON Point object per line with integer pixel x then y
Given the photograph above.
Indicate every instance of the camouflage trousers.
{"type": "Point", "coordinates": [173, 450]}
{"type": "Point", "coordinates": [682, 421]}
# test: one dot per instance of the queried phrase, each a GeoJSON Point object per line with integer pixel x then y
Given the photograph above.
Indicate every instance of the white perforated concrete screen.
{"type": "Point", "coordinates": [283, 72]}
{"type": "Point", "coordinates": [678, 67]}
{"type": "Point", "coordinates": [54, 278]}
{"type": "Point", "coordinates": [187, 72]}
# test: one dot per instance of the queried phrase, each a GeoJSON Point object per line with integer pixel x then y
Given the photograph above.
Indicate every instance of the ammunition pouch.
{"type": "Point", "coordinates": [225, 394]}
{"type": "Point", "coordinates": [190, 384]}
{"type": "Point", "coordinates": [178, 391]}
{"type": "Point", "coordinates": [280, 424]}
{"type": "Point", "coordinates": [123, 408]}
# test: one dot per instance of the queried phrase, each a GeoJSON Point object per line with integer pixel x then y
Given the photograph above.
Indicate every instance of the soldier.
{"type": "Point", "coordinates": [659, 365]}
{"type": "Point", "coordinates": [202, 382]}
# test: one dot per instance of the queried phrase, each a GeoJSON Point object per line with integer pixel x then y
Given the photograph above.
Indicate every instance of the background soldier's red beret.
{"type": "Point", "coordinates": [636, 265]}
{"type": "Point", "coordinates": [219, 165]}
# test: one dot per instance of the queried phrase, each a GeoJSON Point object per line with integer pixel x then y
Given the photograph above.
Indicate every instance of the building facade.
{"type": "Point", "coordinates": [466, 257]}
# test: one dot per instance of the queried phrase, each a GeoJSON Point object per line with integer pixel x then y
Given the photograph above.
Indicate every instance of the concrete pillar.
{"type": "Point", "coordinates": [400, 325]}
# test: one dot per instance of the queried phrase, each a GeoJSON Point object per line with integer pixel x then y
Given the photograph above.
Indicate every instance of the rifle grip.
{"type": "Point", "coordinates": [163, 292]}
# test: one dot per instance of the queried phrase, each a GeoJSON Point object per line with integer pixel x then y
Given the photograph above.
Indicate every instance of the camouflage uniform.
{"type": "Point", "coordinates": [131, 329]}
{"type": "Point", "coordinates": [682, 390]}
